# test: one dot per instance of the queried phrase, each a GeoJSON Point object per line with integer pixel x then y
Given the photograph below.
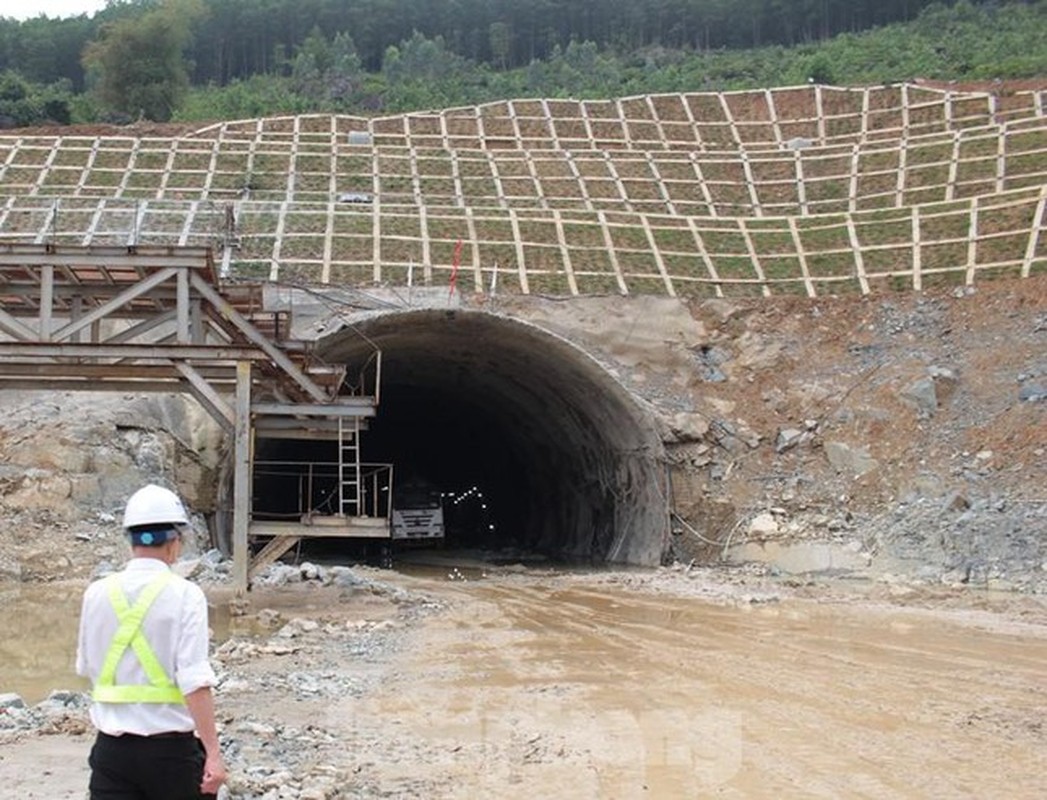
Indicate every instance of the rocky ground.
{"type": "Point", "coordinates": [485, 681]}
{"type": "Point", "coordinates": [856, 453]}
{"type": "Point", "coordinates": [902, 434]}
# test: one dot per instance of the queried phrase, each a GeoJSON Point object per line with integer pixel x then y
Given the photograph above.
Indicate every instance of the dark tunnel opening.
{"type": "Point", "coordinates": [531, 446]}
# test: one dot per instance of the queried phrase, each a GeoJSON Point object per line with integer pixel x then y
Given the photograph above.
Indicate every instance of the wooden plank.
{"type": "Point", "coordinates": [1001, 158]}
{"type": "Point", "coordinates": [859, 263]}
{"type": "Point", "coordinates": [376, 215]}
{"type": "Point", "coordinates": [521, 266]}
{"type": "Point", "coordinates": [729, 117]}
{"type": "Point", "coordinates": [802, 256]}
{"type": "Point", "coordinates": [565, 253]}
{"type": "Point", "coordinates": [917, 271]}
{"type": "Point", "coordinates": [703, 185]}
{"type": "Point", "coordinates": [954, 165]}
{"type": "Point", "coordinates": [427, 255]}
{"type": "Point", "coordinates": [165, 176]}
{"type": "Point", "coordinates": [613, 172]}
{"type": "Point", "coordinates": [660, 183]}
{"type": "Point", "coordinates": [242, 447]}
{"type": "Point", "coordinates": [1034, 234]}
{"type": "Point", "coordinates": [972, 244]}
{"type": "Point", "coordinates": [324, 527]}
{"type": "Point", "coordinates": [755, 258]}
{"type": "Point", "coordinates": [775, 125]}
{"type": "Point", "coordinates": [703, 253]}
{"type": "Point", "coordinates": [612, 254]}
{"type": "Point", "coordinates": [474, 247]}
{"type": "Point", "coordinates": [899, 186]}
{"type": "Point", "coordinates": [536, 182]}
{"type": "Point", "coordinates": [623, 119]}
{"type": "Point", "coordinates": [852, 192]}
{"type": "Point", "coordinates": [658, 260]}
{"type": "Point", "coordinates": [268, 555]}
{"type": "Point", "coordinates": [582, 188]}
{"type": "Point", "coordinates": [278, 240]}
{"type": "Point", "coordinates": [750, 184]}
{"type": "Point", "coordinates": [45, 170]}
{"type": "Point", "coordinates": [819, 112]}
{"type": "Point", "coordinates": [801, 187]}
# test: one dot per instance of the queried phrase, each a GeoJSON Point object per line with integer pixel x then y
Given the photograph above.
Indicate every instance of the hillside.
{"type": "Point", "coordinates": [827, 306]}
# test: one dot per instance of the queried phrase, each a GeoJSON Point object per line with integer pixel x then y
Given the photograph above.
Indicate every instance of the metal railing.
{"type": "Point", "coordinates": [296, 490]}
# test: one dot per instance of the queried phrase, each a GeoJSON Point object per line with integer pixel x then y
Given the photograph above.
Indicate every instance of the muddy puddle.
{"type": "Point", "coordinates": [535, 685]}
{"type": "Point", "coordinates": [616, 694]}
{"type": "Point", "coordinates": [38, 627]}
{"type": "Point", "coordinates": [38, 630]}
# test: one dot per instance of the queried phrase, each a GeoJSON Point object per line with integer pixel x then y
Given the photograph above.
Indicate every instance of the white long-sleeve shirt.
{"type": "Point", "coordinates": [176, 629]}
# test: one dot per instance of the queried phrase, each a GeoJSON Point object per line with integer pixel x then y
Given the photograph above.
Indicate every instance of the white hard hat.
{"type": "Point", "coordinates": [152, 505]}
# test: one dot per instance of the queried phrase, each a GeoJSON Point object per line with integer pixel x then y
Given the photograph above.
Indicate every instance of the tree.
{"type": "Point", "coordinates": [500, 39]}
{"type": "Point", "coordinates": [327, 72]}
{"type": "Point", "coordinates": [137, 66]}
{"type": "Point", "coordinates": [421, 59]}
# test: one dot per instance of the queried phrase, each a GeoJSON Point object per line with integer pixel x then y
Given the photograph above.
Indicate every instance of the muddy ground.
{"type": "Point", "coordinates": [918, 671]}
{"type": "Point", "coordinates": [478, 681]}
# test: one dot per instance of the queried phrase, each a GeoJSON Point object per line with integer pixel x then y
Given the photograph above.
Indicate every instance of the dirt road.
{"type": "Point", "coordinates": [633, 685]}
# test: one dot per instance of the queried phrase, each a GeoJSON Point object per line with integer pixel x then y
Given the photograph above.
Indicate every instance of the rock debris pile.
{"type": "Point", "coordinates": [278, 658]}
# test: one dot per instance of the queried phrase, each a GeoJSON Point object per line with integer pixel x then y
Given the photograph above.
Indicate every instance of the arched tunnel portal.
{"type": "Point", "coordinates": [534, 444]}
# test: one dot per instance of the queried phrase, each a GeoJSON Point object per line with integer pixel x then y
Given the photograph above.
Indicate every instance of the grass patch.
{"type": "Point", "coordinates": [772, 242]}
{"type": "Point", "coordinates": [292, 246]}
{"type": "Point", "coordinates": [679, 265]}
{"type": "Point", "coordinates": [731, 199]}
{"type": "Point", "coordinates": [643, 190]}
{"type": "Point", "coordinates": [830, 265]}
{"type": "Point", "coordinates": [1001, 247]}
{"type": "Point", "coordinates": [437, 187]}
{"type": "Point", "coordinates": [401, 226]}
{"type": "Point", "coordinates": [583, 235]}
{"type": "Point", "coordinates": [734, 267]}
{"type": "Point", "coordinates": [673, 239]}
{"type": "Point", "coordinates": [623, 238]}
{"type": "Point", "coordinates": [352, 248]}
{"type": "Point", "coordinates": [879, 262]}
{"type": "Point", "coordinates": [403, 251]}
{"type": "Point", "coordinates": [883, 232]}
{"type": "Point", "coordinates": [930, 154]}
{"type": "Point", "coordinates": [352, 274]}
{"type": "Point", "coordinates": [548, 283]}
{"type": "Point", "coordinates": [836, 167]}
{"type": "Point", "coordinates": [823, 234]}
{"type": "Point", "coordinates": [724, 242]}
{"type": "Point", "coordinates": [781, 267]}
{"type": "Point", "coordinates": [835, 189]}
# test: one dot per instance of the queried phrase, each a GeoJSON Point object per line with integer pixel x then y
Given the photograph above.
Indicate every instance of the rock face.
{"type": "Point", "coordinates": [903, 432]}
{"type": "Point", "coordinates": [907, 430]}
{"type": "Point", "coordinates": [72, 460]}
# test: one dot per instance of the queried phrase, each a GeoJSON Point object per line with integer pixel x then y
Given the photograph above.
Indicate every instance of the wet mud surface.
{"type": "Point", "coordinates": [595, 686]}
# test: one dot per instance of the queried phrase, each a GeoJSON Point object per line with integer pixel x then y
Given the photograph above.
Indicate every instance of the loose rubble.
{"type": "Point", "coordinates": [308, 659]}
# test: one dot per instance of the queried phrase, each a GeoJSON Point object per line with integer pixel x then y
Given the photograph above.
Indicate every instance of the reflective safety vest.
{"type": "Point", "coordinates": [160, 689]}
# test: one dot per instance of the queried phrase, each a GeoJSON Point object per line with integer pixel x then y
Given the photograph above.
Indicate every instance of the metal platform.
{"type": "Point", "coordinates": [156, 319]}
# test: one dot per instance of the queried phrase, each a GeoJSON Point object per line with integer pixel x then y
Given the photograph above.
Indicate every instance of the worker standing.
{"type": "Point", "coordinates": [144, 644]}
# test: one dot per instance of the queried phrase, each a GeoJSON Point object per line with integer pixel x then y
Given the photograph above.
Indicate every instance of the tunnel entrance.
{"type": "Point", "coordinates": [528, 442]}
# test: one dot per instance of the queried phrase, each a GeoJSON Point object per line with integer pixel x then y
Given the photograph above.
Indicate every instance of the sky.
{"type": "Point", "coordinates": [25, 9]}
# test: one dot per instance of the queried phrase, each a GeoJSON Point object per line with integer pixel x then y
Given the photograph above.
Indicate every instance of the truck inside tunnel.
{"type": "Point", "coordinates": [530, 443]}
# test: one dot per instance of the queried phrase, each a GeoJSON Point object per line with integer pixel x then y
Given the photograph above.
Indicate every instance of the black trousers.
{"type": "Point", "coordinates": [165, 767]}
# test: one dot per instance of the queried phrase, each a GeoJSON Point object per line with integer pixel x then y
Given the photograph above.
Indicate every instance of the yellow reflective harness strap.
{"type": "Point", "coordinates": [160, 688]}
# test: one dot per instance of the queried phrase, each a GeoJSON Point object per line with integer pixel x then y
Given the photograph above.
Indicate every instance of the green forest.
{"type": "Point", "coordinates": [188, 60]}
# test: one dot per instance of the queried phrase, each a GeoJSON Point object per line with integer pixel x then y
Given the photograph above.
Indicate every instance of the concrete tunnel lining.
{"type": "Point", "coordinates": [571, 462]}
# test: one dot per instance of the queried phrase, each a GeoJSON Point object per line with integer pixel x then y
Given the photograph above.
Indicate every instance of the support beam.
{"type": "Point", "coordinates": [276, 547]}
{"type": "Point", "coordinates": [241, 475]}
